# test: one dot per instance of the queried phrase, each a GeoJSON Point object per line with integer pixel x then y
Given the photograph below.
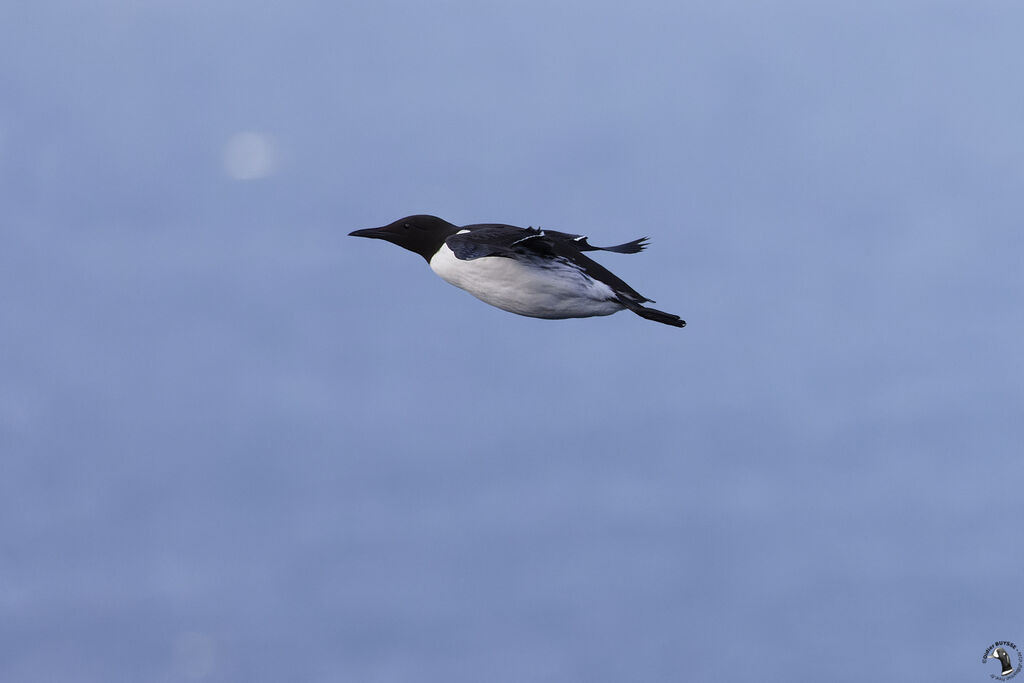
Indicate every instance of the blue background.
{"type": "Point", "coordinates": [238, 445]}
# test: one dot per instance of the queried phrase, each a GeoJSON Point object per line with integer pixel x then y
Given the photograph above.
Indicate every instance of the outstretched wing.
{"type": "Point", "coordinates": [489, 239]}
{"type": "Point", "coordinates": [581, 243]}
{"type": "Point", "coordinates": [479, 241]}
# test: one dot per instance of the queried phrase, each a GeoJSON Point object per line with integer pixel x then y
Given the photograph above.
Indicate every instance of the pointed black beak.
{"type": "Point", "coordinates": [388, 233]}
{"type": "Point", "coordinates": [376, 233]}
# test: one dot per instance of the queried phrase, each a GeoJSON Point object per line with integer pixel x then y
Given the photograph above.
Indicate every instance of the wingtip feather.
{"type": "Point", "coordinates": [633, 247]}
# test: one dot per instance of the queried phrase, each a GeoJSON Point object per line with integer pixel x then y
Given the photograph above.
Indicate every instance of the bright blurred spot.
{"type": "Point", "coordinates": [195, 655]}
{"type": "Point", "coordinates": [248, 156]}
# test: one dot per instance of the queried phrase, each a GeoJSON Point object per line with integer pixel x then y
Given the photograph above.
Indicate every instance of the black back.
{"type": "Point", "coordinates": [495, 239]}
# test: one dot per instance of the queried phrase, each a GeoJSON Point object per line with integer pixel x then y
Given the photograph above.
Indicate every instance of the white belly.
{"type": "Point", "coordinates": [532, 289]}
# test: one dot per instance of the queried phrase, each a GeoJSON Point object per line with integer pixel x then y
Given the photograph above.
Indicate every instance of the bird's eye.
{"type": "Point", "coordinates": [405, 225]}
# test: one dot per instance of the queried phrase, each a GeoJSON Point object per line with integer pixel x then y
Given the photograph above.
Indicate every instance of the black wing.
{"type": "Point", "coordinates": [494, 239]}
{"type": "Point", "coordinates": [509, 241]}
{"type": "Point", "coordinates": [499, 236]}
{"type": "Point", "coordinates": [633, 247]}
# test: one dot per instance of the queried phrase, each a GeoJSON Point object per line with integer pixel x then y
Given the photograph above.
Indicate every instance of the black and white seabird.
{"type": "Point", "coordinates": [529, 271]}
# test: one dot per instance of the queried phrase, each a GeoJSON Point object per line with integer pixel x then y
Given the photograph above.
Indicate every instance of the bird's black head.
{"type": "Point", "coordinates": [421, 233]}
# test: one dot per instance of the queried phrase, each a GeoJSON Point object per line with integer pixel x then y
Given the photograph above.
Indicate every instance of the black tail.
{"type": "Point", "coordinates": [653, 314]}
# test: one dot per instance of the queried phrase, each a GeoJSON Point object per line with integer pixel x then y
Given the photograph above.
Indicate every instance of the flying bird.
{"type": "Point", "coordinates": [528, 271]}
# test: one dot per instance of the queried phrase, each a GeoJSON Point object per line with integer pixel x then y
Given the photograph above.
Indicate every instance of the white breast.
{"type": "Point", "coordinates": [539, 288]}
